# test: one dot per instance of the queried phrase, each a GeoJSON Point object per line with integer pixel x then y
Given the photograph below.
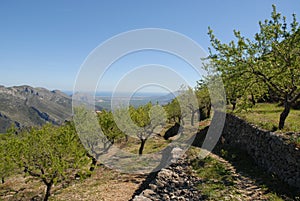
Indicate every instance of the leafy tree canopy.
{"type": "Point", "coordinates": [267, 63]}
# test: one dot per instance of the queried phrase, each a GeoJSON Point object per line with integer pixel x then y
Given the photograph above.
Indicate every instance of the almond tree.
{"type": "Point", "coordinates": [51, 154]}
{"type": "Point", "coordinates": [90, 133]}
{"type": "Point", "coordinates": [173, 111]}
{"type": "Point", "coordinates": [109, 127]}
{"type": "Point", "coordinates": [7, 152]}
{"type": "Point", "coordinates": [269, 62]}
{"type": "Point", "coordinates": [140, 121]}
{"type": "Point", "coordinates": [203, 98]}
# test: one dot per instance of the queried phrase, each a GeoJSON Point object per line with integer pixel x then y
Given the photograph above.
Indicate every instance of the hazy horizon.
{"type": "Point", "coordinates": [107, 93]}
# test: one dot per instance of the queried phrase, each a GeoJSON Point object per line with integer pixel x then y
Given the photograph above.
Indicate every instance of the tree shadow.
{"type": "Point", "coordinates": [246, 166]}
{"type": "Point", "coordinates": [165, 160]}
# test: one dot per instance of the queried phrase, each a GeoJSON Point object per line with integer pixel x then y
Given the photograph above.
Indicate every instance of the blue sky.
{"type": "Point", "coordinates": [44, 43]}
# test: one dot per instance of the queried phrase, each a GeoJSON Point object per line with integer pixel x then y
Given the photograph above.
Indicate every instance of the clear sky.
{"type": "Point", "coordinates": [44, 43]}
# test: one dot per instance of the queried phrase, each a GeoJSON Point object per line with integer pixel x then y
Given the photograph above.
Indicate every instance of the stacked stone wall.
{"type": "Point", "coordinates": [273, 152]}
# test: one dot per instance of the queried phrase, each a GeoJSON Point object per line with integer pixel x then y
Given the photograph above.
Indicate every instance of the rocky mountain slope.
{"type": "Point", "coordinates": [28, 106]}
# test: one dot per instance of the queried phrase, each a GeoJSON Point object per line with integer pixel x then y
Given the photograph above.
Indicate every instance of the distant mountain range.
{"type": "Point", "coordinates": [28, 106]}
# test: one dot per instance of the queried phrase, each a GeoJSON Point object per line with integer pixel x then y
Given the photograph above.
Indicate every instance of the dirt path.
{"type": "Point", "coordinates": [246, 187]}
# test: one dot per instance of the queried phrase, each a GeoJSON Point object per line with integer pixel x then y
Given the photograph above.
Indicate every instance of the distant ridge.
{"type": "Point", "coordinates": [28, 106]}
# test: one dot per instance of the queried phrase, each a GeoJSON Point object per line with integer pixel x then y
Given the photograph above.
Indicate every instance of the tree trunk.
{"type": "Point", "coordinates": [284, 114]}
{"type": "Point", "coordinates": [253, 99]}
{"type": "Point", "coordinates": [208, 111]}
{"type": "Point", "coordinates": [181, 121]}
{"type": "Point", "coordinates": [233, 105]}
{"type": "Point", "coordinates": [192, 118]}
{"type": "Point", "coordinates": [143, 141]}
{"type": "Point", "coordinates": [233, 102]}
{"type": "Point", "coordinates": [48, 190]}
{"type": "Point", "coordinates": [2, 179]}
{"type": "Point", "coordinates": [94, 163]}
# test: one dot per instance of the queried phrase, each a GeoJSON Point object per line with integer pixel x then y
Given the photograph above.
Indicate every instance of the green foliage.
{"type": "Point", "coordinates": [188, 103]}
{"type": "Point", "coordinates": [267, 64]}
{"type": "Point", "coordinates": [147, 118]}
{"type": "Point", "coordinates": [140, 122]}
{"type": "Point", "coordinates": [50, 154]}
{"type": "Point", "coordinates": [90, 133]}
{"type": "Point", "coordinates": [203, 98]}
{"type": "Point", "coordinates": [295, 140]}
{"type": "Point", "coordinates": [7, 153]}
{"type": "Point", "coordinates": [12, 129]}
{"type": "Point", "coordinates": [173, 111]}
{"type": "Point", "coordinates": [109, 127]}
{"type": "Point", "coordinates": [189, 106]}
{"type": "Point", "coordinates": [140, 116]}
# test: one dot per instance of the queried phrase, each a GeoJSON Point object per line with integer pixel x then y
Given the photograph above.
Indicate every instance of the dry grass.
{"type": "Point", "coordinates": [104, 184]}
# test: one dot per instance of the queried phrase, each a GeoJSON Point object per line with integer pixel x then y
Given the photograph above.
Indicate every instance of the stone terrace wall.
{"type": "Point", "coordinates": [175, 182]}
{"type": "Point", "coordinates": [271, 151]}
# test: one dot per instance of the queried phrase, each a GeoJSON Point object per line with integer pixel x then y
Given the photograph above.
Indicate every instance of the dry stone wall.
{"type": "Point", "coordinates": [272, 151]}
{"type": "Point", "coordinates": [175, 182]}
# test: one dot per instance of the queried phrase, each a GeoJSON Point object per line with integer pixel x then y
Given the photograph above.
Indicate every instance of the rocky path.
{"type": "Point", "coordinates": [175, 182]}
{"type": "Point", "coordinates": [179, 182]}
{"type": "Point", "coordinates": [245, 187]}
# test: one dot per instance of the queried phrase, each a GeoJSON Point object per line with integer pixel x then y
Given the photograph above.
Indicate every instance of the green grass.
{"type": "Point", "coordinates": [295, 140]}
{"type": "Point", "coordinates": [243, 163]}
{"type": "Point", "coordinates": [266, 116]}
{"type": "Point", "coordinates": [218, 182]}
{"type": "Point", "coordinates": [216, 178]}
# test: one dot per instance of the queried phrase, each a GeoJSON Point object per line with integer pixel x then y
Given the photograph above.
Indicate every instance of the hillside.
{"type": "Point", "coordinates": [28, 106]}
